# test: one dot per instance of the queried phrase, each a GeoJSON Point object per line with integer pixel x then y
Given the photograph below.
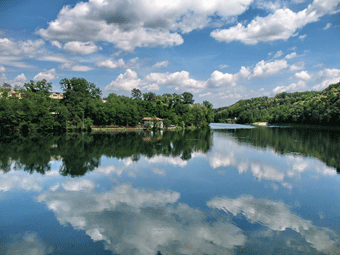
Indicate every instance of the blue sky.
{"type": "Point", "coordinates": [221, 51]}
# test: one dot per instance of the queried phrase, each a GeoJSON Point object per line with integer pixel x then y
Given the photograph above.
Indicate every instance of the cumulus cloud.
{"type": "Point", "coordinates": [120, 64]}
{"type": "Point", "coordinates": [326, 77]}
{"type": "Point", "coordinates": [2, 69]}
{"type": "Point", "coordinates": [109, 64]}
{"type": "Point", "coordinates": [280, 25]}
{"type": "Point", "coordinates": [20, 78]}
{"type": "Point", "coordinates": [278, 54]}
{"type": "Point", "coordinates": [178, 81]}
{"type": "Point", "coordinates": [303, 75]}
{"type": "Point", "coordinates": [56, 44]}
{"type": "Point", "coordinates": [81, 48]}
{"type": "Point", "coordinates": [290, 88]}
{"type": "Point", "coordinates": [125, 82]}
{"type": "Point", "coordinates": [278, 217]}
{"type": "Point", "coordinates": [47, 75]}
{"type": "Point", "coordinates": [291, 55]}
{"type": "Point", "coordinates": [20, 48]}
{"type": "Point", "coordinates": [131, 221]}
{"type": "Point", "coordinates": [297, 66]}
{"type": "Point", "coordinates": [218, 79]}
{"type": "Point", "coordinates": [161, 64]}
{"type": "Point", "coordinates": [265, 69]}
{"type": "Point", "coordinates": [138, 23]}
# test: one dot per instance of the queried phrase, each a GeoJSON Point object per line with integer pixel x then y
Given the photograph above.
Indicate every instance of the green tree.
{"type": "Point", "coordinates": [136, 94]}
{"type": "Point", "coordinates": [187, 98]}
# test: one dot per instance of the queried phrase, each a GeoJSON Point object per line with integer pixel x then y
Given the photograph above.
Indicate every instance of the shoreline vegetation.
{"type": "Point", "coordinates": [33, 109]}
{"type": "Point", "coordinates": [80, 107]}
{"type": "Point", "coordinates": [319, 108]}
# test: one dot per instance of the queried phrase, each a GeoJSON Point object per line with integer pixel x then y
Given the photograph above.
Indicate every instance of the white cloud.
{"type": "Point", "coordinates": [161, 64]}
{"type": "Point", "coordinates": [20, 78]}
{"type": "Point", "coordinates": [223, 66]}
{"type": "Point", "coordinates": [291, 55]}
{"type": "Point", "coordinates": [125, 82]}
{"type": "Point", "coordinates": [110, 64]}
{"type": "Point", "coordinates": [292, 87]}
{"type": "Point", "coordinates": [302, 37]}
{"type": "Point", "coordinates": [20, 48]}
{"type": "Point", "coordinates": [277, 217]}
{"type": "Point", "coordinates": [280, 25]}
{"type": "Point", "coordinates": [2, 69]}
{"type": "Point", "coordinates": [265, 69]}
{"type": "Point", "coordinates": [303, 75]}
{"type": "Point", "coordinates": [81, 48]}
{"type": "Point", "coordinates": [178, 81]}
{"type": "Point", "coordinates": [318, 65]}
{"type": "Point", "coordinates": [53, 58]}
{"type": "Point", "coordinates": [47, 75]}
{"type": "Point", "coordinates": [327, 26]}
{"type": "Point", "coordinates": [120, 64]}
{"type": "Point", "coordinates": [56, 44]}
{"type": "Point", "coordinates": [297, 66]}
{"type": "Point", "coordinates": [75, 67]}
{"type": "Point", "coordinates": [218, 79]}
{"type": "Point", "coordinates": [139, 23]}
{"type": "Point", "coordinates": [326, 77]}
{"type": "Point", "coordinates": [278, 54]}
{"type": "Point", "coordinates": [14, 61]}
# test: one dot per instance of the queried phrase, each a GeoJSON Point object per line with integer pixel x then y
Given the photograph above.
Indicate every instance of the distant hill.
{"type": "Point", "coordinates": [310, 107]}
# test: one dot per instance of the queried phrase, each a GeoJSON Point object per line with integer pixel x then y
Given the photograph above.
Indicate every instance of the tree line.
{"type": "Point", "coordinates": [310, 107]}
{"type": "Point", "coordinates": [82, 106]}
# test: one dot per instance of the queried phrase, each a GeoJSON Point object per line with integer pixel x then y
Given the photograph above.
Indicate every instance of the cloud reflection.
{"type": "Point", "coordinates": [277, 217]}
{"type": "Point", "coordinates": [139, 221]}
{"type": "Point", "coordinates": [28, 244]}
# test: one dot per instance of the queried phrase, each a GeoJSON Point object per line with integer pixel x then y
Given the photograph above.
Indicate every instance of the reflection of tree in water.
{"type": "Point", "coordinates": [81, 153]}
{"type": "Point", "coordinates": [320, 143]}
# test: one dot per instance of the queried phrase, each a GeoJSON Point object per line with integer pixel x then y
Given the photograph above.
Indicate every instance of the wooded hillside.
{"type": "Point", "coordinates": [310, 107]}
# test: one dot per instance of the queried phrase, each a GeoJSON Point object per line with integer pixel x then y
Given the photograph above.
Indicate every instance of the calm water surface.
{"type": "Point", "coordinates": [231, 189]}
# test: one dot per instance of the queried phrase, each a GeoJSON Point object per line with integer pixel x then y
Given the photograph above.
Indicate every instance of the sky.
{"type": "Point", "coordinates": [220, 51]}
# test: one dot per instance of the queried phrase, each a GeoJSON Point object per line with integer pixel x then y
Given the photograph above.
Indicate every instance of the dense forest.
{"type": "Point", "coordinates": [82, 106]}
{"type": "Point", "coordinates": [316, 108]}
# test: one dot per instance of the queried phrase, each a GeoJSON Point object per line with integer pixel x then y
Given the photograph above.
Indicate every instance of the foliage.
{"type": "Point", "coordinates": [317, 108]}
{"type": "Point", "coordinates": [82, 107]}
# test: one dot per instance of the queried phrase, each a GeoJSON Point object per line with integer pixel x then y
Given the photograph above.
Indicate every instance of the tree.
{"type": "Point", "coordinates": [207, 104]}
{"type": "Point", "coordinates": [187, 98]}
{"type": "Point", "coordinates": [78, 94]}
{"type": "Point", "coordinates": [150, 96]}
{"type": "Point", "coordinates": [42, 86]}
{"type": "Point", "coordinates": [136, 94]}
{"type": "Point", "coordinates": [6, 86]}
